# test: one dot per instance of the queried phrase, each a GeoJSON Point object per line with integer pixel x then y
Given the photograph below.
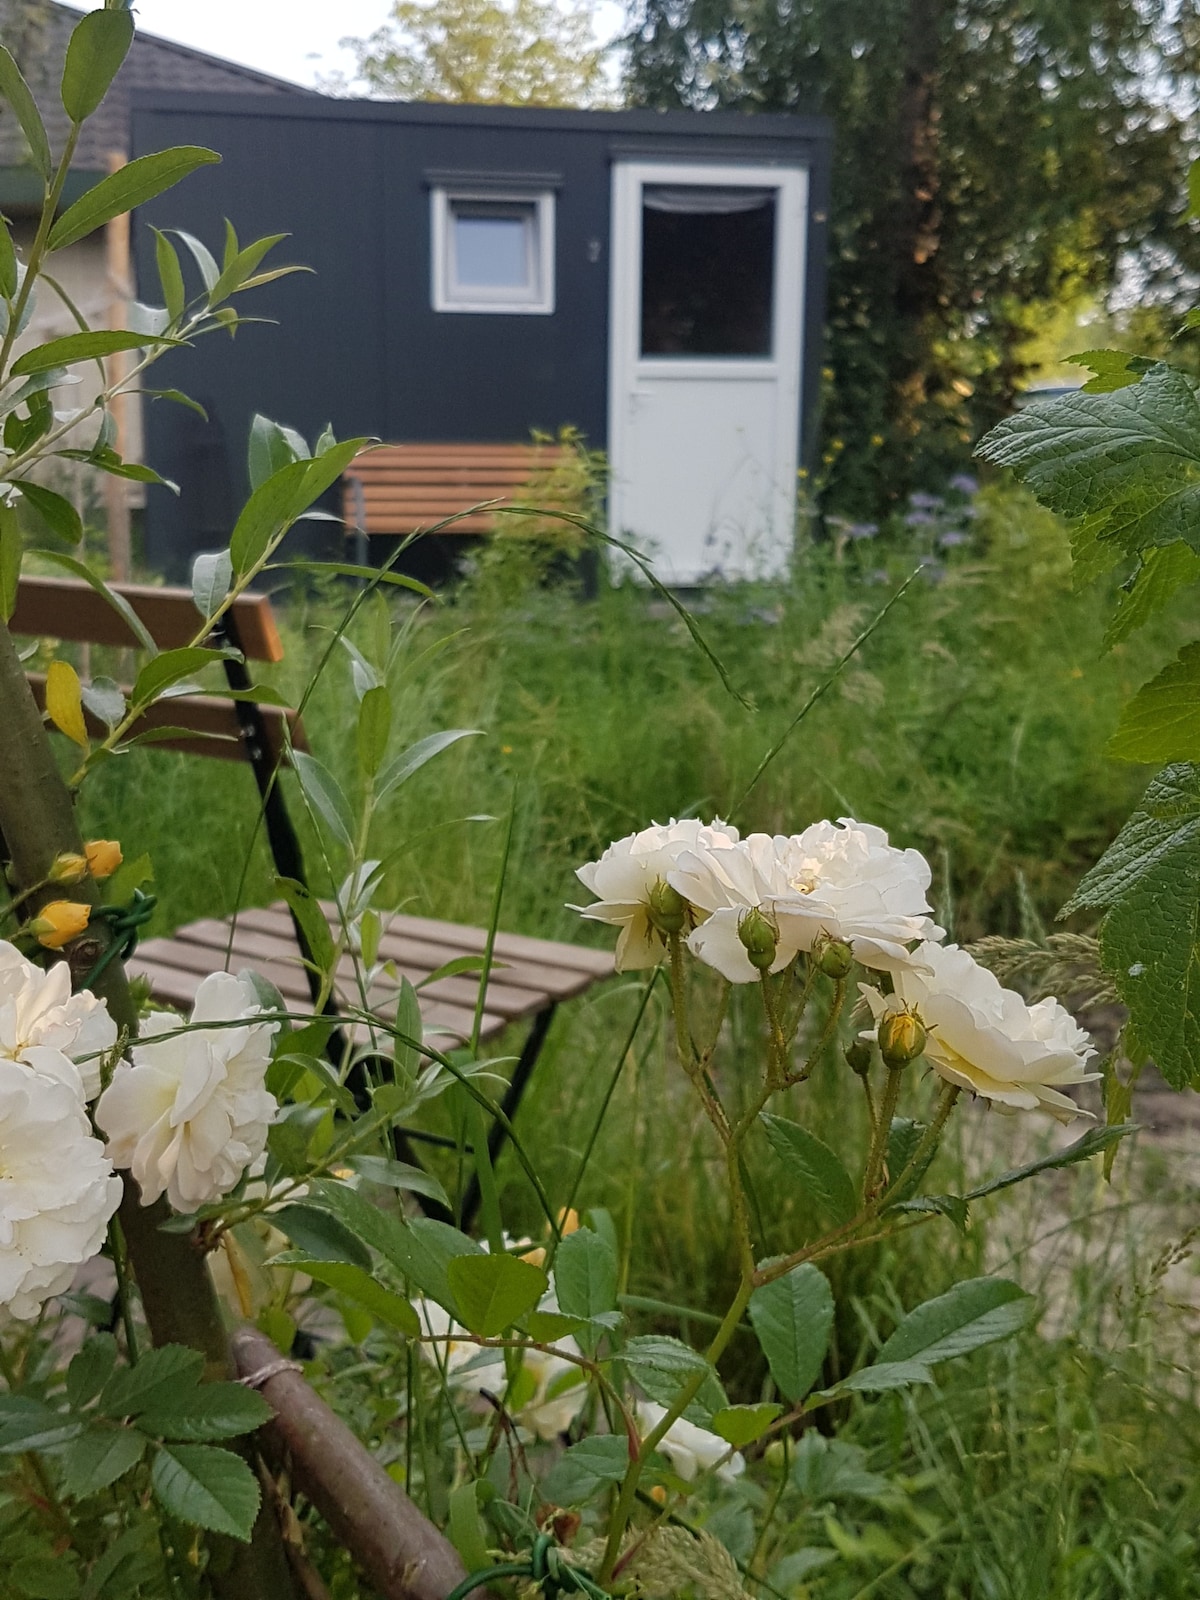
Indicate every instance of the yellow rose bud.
{"type": "Point", "coordinates": [760, 938]}
{"type": "Point", "coordinates": [668, 909]}
{"type": "Point", "coordinates": [59, 922]}
{"type": "Point", "coordinates": [103, 857]}
{"type": "Point", "coordinates": [901, 1038]}
{"type": "Point", "coordinates": [568, 1221]}
{"type": "Point", "coordinates": [68, 868]}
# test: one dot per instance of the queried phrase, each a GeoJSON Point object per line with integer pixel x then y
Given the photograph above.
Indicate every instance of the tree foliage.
{"type": "Point", "coordinates": [991, 157]}
{"type": "Point", "coordinates": [532, 53]}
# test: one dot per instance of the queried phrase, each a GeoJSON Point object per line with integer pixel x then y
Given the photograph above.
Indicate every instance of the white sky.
{"type": "Point", "coordinates": [295, 39]}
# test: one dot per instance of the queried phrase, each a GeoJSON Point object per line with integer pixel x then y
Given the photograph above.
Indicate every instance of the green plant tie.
{"type": "Point", "coordinates": [123, 924]}
{"type": "Point", "coordinates": [545, 1565]}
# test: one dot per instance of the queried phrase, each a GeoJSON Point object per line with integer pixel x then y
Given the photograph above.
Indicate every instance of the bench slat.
{"type": "Point", "coordinates": [65, 608]}
{"type": "Point", "coordinates": [402, 488]}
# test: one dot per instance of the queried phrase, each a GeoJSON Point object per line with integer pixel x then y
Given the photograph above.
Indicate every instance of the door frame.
{"type": "Point", "coordinates": [784, 367]}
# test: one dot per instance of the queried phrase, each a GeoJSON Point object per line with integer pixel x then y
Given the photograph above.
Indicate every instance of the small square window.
{"type": "Point", "coordinates": [493, 252]}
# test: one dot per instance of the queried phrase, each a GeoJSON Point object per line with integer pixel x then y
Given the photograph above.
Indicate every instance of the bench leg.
{"type": "Point", "coordinates": [522, 1073]}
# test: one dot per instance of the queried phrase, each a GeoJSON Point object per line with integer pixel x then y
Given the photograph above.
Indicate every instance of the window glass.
{"type": "Point", "coordinates": [493, 250]}
{"type": "Point", "coordinates": [708, 270]}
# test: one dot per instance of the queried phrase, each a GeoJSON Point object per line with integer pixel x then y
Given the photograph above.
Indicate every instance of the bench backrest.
{"type": "Point", "coordinates": [70, 609]}
{"type": "Point", "coordinates": [399, 489]}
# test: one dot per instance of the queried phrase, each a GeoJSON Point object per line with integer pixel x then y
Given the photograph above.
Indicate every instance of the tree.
{"type": "Point", "coordinates": [534, 53]}
{"type": "Point", "coordinates": [992, 158]}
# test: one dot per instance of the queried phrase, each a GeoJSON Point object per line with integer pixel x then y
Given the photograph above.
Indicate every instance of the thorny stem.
{"type": "Point", "coordinates": [826, 1034]}
{"type": "Point", "coordinates": [116, 1243]}
{"type": "Point", "coordinates": [887, 1110]}
{"type": "Point", "coordinates": [929, 1139]}
{"type": "Point", "coordinates": [777, 1053]}
{"type": "Point", "coordinates": [695, 1067]}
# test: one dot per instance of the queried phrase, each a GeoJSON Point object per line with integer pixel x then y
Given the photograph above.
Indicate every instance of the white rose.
{"type": "Point", "coordinates": [690, 1449]}
{"type": "Point", "coordinates": [985, 1038]}
{"type": "Point", "coordinates": [57, 1188]}
{"type": "Point", "coordinates": [628, 870]}
{"type": "Point", "coordinates": [191, 1113]}
{"type": "Point", "coordinates": [41, 1021]}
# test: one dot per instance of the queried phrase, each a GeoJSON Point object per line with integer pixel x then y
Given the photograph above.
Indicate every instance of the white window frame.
{"type": "Point", "coordinates": [536, 300]}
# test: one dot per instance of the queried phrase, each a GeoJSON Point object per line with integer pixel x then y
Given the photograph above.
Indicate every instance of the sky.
{"type": "Point", "coordinates": [295, 39]}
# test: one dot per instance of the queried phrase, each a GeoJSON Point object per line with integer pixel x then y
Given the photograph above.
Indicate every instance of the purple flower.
{"type": "Point", "coordinates": [918, 519]}
{"type": "Point", "coordinates": [862, 530]}
{"type": "Point", "coordinates": [954, 537]}
{"type": "Point", "coordinates": [964, 483]}
{"type": "Point", "coordinates": [924, 502]}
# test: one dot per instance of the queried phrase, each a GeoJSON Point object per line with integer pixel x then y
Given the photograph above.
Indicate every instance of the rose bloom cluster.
{"type": "Point", "coordinates": [186, 1114]}
{"type": "Point", "coordinates": [749, 907]}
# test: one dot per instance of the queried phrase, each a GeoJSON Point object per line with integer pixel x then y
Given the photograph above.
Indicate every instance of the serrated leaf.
{"type": "Point", "coordinates": [585, 1468]}
{"type": "Point", "coordinates": [813, 1165]}
{"type": "Point", "coordinates": [90, 1369]}
{"type": "Point", "coordinates": [883, 1377]}
{"type": "Point", "coordinates": [1113, 369]}
{"type": "Point", "coordinates": [158, 1376]}
{"type": "Point", "coordinates": [99, 1457]}
{"type": "Point", "coordinates": [1129, 460]}
{"type": "Point", "coordinates": [952, 1206]}
{"type": "Point", "coordinates": [64, 702]}
{"type": "Point", "coordinates": [206, 1487]}
{"type": "Point", "coordinates": [742, 1425]}
{"type": "Point", "coordinates": [211, 1411]}
{"type": "Point", "coordinates": [212, 576]}
{"type": "Point", "coordinates": [793, 1318]}
{"type": "Point", "coordinates": [131, 185]}
{"type": "Point", "coordinates": [98, 45]}
{"type": "Point", "coordinates": [662, 1366]}
{"type": "Point", "coordinates": [585, 1275]}
{"type": "Point", "coordinates": [321, 1235]}
{"type": "Point", "coordinates": [420, 1250]}
{"type": "Point", "coordinates": [828, 1469]}
{"type": "Point", "coordinates": [362, 1288]}
{"type": "Point", "coordinates": [173, 666]}
{"type": "Point", "coordinates": [1093, 1142]}
{"type": "Point", "coordinates": [1162, 721]}
{"type": "Point", "coordinates": [904, 1138]}
{"type": "Point", "coordinates": [494, 1291]}
{"type": "Point", "coordinates": [402, 767]}
{"type": "Point", "coordinates": [28, 1424]}
{"type": "Point", "coordinates": [1149, 879]}
{"type": "Point", "coordinates": [374, 728]}
{"type": "Point", "coordinates": [972, 1314]}
{"type": "Point", "coordinates": [1163, 571]}
{"type": "Point", "coordinates": [16, 91]}
{"type": "Point", "coordinates": [324, 794]}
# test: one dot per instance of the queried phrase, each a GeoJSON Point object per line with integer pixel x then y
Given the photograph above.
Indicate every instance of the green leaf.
{"type": "Point", "coordinates": [82, 346]}
{"type": "Point", "coordinates": [16, 91]}
{"type": "Point", "coordinates": [742, 1425]}
{"type": "Point", "coordinates": [1163, 571]}
{"type": "Point", "coordinates": [1149, 879]}
{"type": "Point", "coordinates": [829, 1469]}
{"type": "Point", "coordinates": [118, 602]}
{"type": "Point", "coordinates": [420, 1250]}
{"type": "Point", "coordinates": [494, 1291]}
{"type": "Point", "coordinates": [585, 1468]}
{"type": "Point", "coordinates": [1129, 460]}
{"type": "Point", "coordinates": [465, 1526]}
{"type": "Point", "coordinates": [904, 1137]}
{"type": "Point", "coordinates": [350, 569]}
{"type": "Point", "coordinates": [1093, 1142]}
{"type": "Point", "coordinates": [321, 1235]}
{"type": "Point", "coordinates": [1193, 209]}
{"type": "Point", "coordinates": [309, 915]}
{"type": "Point", "coordinates": [171, 667]}
{"type": "Point", "coordinates": [11, 551]}
{"type": "Point", "coordinates": [585, 1275]}
{"type": "Point", "coordinates": [1114, 369]}
{"type": "Point", "coordinates": [42, 1577]}
{"type": "Point", "coordinates": [952, 1206]}
{"type": "Point", "coordinates": [402, 767]}
{"type": "Point", "coordinates": [400, 1175]}
{"type": "Point", "coordinates": [159, 1376]}
{"type": "Point", "coordinates": [179, 399]}
{"type": "Point", "coordinates": [99, 1457]}
{"type": "Point", "coordinates": [58, 516]}
{"type": "Point", "coordinates": [813, 1165]}
{"type": "Point", "coordinates": [1162, 721]}
{"type": "Point", "coordinates": [212, 576]}
{"type": "Point", "coordinates": [238, 270]}
{"type": "Point", "coordinates": [131, 185]}
{"type": "Point", "coordinates": [206, 1487]}
{"type": "Point", "coordinates": [662, 1366]}
{"type": "Point", "coordinates": [28, 1424]}
{"type": "Point", "coordinates": [200, 253]}
{"type": "Point", "coordinates": [882, 1378]}
{"type": "Point", "coordinates": [374, 729]}
{"type": "Point", "coordinates": [975, 1312]}
{"type": "Point", "coordinates": [272, 446]}
{"type": "Point", "coordinates": [9, 277]}
{"type": "Point", "coordinates": [270, 509]}
{"type": "Point", "coordinates": [408, 1027]}
{"type": "Point", "coordinates": [98, 45]}
{"type": "Point", "coordinates": [90, 1369]}
{"type": "Point", "coordinates": [170, 275]}
{"type": "Point", "coordinates": [211, 1411]}
{"type": "Point", "coordinates": [793, 1318]}
{"type": "Point", "coordinates": [324, 795]}
{"type": "Point", "coordinates": [361, 1287]}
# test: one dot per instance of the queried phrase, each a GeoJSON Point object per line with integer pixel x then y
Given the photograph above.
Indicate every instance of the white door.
{"type": "Point", "coordinates": [705, 326]}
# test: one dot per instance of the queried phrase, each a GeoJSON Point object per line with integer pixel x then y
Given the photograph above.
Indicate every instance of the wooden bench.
{"type": "Point", "coordinates": [401, 489]}
{"type": "Point", "coordinates": [531, 976]}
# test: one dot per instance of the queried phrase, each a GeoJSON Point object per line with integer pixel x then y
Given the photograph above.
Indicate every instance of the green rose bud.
{"type": "Point", "coordinates": [901, 1038]}
{"type": "Point", "coordinates": [834, 957]}
{"type": "Point", "coordinates": [760, 938]}
{"type": "Point", "coordinates": [858, 1057]}
{"type": "Point", "coordinates": [668, 909]}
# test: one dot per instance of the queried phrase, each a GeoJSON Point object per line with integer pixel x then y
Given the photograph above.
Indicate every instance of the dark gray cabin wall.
{"type": "Point", "coordinates": [357, 343]}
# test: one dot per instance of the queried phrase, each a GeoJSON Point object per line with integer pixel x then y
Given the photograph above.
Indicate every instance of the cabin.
{"type": "Point", "coordinates": [655, 280]}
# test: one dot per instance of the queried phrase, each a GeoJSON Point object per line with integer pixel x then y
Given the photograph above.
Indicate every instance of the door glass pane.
{"type": "Point", "coordinates": [708, 270]}
{"type": "Point", "coordinates": [492, 249]}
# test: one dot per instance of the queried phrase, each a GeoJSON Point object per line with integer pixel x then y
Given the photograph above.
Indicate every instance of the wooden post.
{"type": "Point", "coordinates": [120, 292]}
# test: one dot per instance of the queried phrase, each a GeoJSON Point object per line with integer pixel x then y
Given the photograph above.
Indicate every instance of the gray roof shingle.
{"type": "Point", "coordinates": [152, 63]}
